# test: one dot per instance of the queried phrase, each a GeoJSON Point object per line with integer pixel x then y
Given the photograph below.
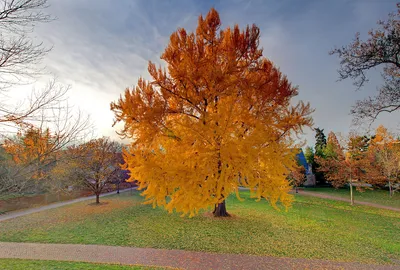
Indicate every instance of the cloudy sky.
{"type": "Point", "coordinates": [101, 47]}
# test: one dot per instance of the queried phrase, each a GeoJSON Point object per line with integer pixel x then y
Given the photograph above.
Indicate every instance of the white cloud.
{"type": "Point", "coordinates": [102, 46]}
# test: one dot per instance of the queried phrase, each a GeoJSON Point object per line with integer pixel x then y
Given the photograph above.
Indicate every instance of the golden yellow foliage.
{"type": "Point", "coordinates": [219, 118]}
{"type": "Point", "coordinates": [32, 147]}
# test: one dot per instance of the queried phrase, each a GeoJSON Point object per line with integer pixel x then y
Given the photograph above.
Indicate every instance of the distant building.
{"type": "Point", "coordinates": [301, 158]}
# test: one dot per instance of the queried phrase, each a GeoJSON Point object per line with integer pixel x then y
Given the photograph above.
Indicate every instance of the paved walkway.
{"type": "Point", "coordinates": [19, 213]}
{"type": "Point", "coordinates": [326, 196]}
{"type": "Point", "coordinates": [167, 258]}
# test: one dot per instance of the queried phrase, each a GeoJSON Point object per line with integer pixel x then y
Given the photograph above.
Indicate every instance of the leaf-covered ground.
{"type": "Point", "coordinates": [17, 264]}
{"type": "Point", "coordinates": [374, 196]}
{"type": "Point", "coordinates": [312, 228]}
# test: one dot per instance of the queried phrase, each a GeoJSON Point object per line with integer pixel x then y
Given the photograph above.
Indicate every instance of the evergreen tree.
{"type": "Point", "coordinates": [320, 142]}
{"type": "Point", "coordinates": [320, 145]}
{"type": "Point", "coordinates": [309, 154]}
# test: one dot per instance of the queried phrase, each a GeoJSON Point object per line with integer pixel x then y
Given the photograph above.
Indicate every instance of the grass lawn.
{"type": "Point", "coordinates": [17, 264]}
{"type": "Point", "coordinates": [312, 228]}
{"type": "Point", "coordinates": [373, 196]}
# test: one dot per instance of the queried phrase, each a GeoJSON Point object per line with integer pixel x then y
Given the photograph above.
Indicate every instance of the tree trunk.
{"type": "Point", "coordinates": [297, 190]}
{"type": "Point", "coordinates": [97, 197]}
{"type": "Point", "coordinates": [390, 189]}
{"type": "Point", "coordinates": [118, 188]}
{"type": "Point", "coordinates": [220, 210]}
{"type": "Point", "coordinates": [351, 194]}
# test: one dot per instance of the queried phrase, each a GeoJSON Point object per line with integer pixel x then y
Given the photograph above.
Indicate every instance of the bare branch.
{"type": "Point", "coordinates": [19, 54]}
{"type": "Point", "coordinates": [381, 49]}
{"type": "Point", "coordinates": [387, 100]}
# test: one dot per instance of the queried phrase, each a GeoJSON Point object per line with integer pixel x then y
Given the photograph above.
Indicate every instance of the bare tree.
{"type": "Point", "coordinates": [121, 175]}
{"type": "Point", "coordinates": [387, 100]}
{"type": "Point", "coordinates": [19, 54]}
{"type": "Point", "coordinates": [38, 149]}
{"type": "Point", "coordinates": [44, 111]}
{"type": "Point", "coordinates": [33, 107]}
{"type": "Point", "coordinates": [20, 58]}
{"type": "Point", "coordinates": [96, 164]}
{"type": "Point", "coordinates": [10, 182]}
{"type": "Point", "coordinates": [381, 49]}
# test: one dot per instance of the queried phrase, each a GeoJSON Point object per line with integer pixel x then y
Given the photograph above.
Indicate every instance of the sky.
{"type": "Point", "coordinates": [101, 47]}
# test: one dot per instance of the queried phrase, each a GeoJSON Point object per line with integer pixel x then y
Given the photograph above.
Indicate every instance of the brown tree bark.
{"type": "Point", "coordinates": [97, 198]}
{"type": "Point", "coordinates": [220, 210]}
{"type": "Point", "coordinates": [390, 189]}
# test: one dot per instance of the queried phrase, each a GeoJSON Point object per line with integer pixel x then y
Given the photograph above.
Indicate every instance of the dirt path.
{"type": "Point", "coordinates": [326, 196]}
{"type": "Point", "coordinates": [19, 213]}
{"type": "Point", "coordinates": [167, 258]}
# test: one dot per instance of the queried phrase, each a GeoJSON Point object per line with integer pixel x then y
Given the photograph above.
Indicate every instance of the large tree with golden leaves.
{"type": "Point", "coordinates": [219, 117]}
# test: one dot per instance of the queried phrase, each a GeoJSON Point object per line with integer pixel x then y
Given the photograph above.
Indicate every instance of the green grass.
{"type": "Point", "coordinates": [374, 196]}
{"type": "Point", "coordinates": [18, 264]}
{"type": "Point", "coordinates": [312, 228]}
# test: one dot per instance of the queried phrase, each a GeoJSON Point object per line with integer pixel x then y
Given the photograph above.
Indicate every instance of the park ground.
{"type": "Point", "coordinates": [313, 228]}
{"type": "Point", "coordinates": [376, 196]}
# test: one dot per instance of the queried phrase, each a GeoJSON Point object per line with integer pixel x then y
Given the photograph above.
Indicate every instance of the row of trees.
{"type": "Point", "coordinates": [358, 160]}
{"type": "Point", "coordinates": [37, 159]}
{"type": "Point", "coordinates": [46, 153]}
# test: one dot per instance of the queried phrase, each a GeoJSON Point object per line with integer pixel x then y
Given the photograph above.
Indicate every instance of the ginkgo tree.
{"type": "Point", "coordinates": [219, 116]}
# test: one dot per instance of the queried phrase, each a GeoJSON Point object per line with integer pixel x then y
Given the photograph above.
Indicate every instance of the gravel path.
{"type": "Point", "coordinates": [167, 258]}
{"type": "Point", "coordinates": [326, 196]}
{"type": "Point", "coordinates": [19, 213]}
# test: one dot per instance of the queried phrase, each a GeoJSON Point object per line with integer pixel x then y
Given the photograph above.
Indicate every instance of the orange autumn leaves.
{"type": "Point", "coordinates": [218, 117]}
{"type": "Point", "coordinates": [375, 161]}
{"type": "Point", "coordinates": [32, 147]}
{"type": "Point", "coordinates": [385, 155]}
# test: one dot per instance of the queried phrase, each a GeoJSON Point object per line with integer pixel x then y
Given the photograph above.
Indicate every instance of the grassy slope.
{"type": "Point", "coordinates": [373, 196]}
{"type": "Point", "coordinates": [313, 228]}
{"type": "Point", "coordinates": [17, 264]}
